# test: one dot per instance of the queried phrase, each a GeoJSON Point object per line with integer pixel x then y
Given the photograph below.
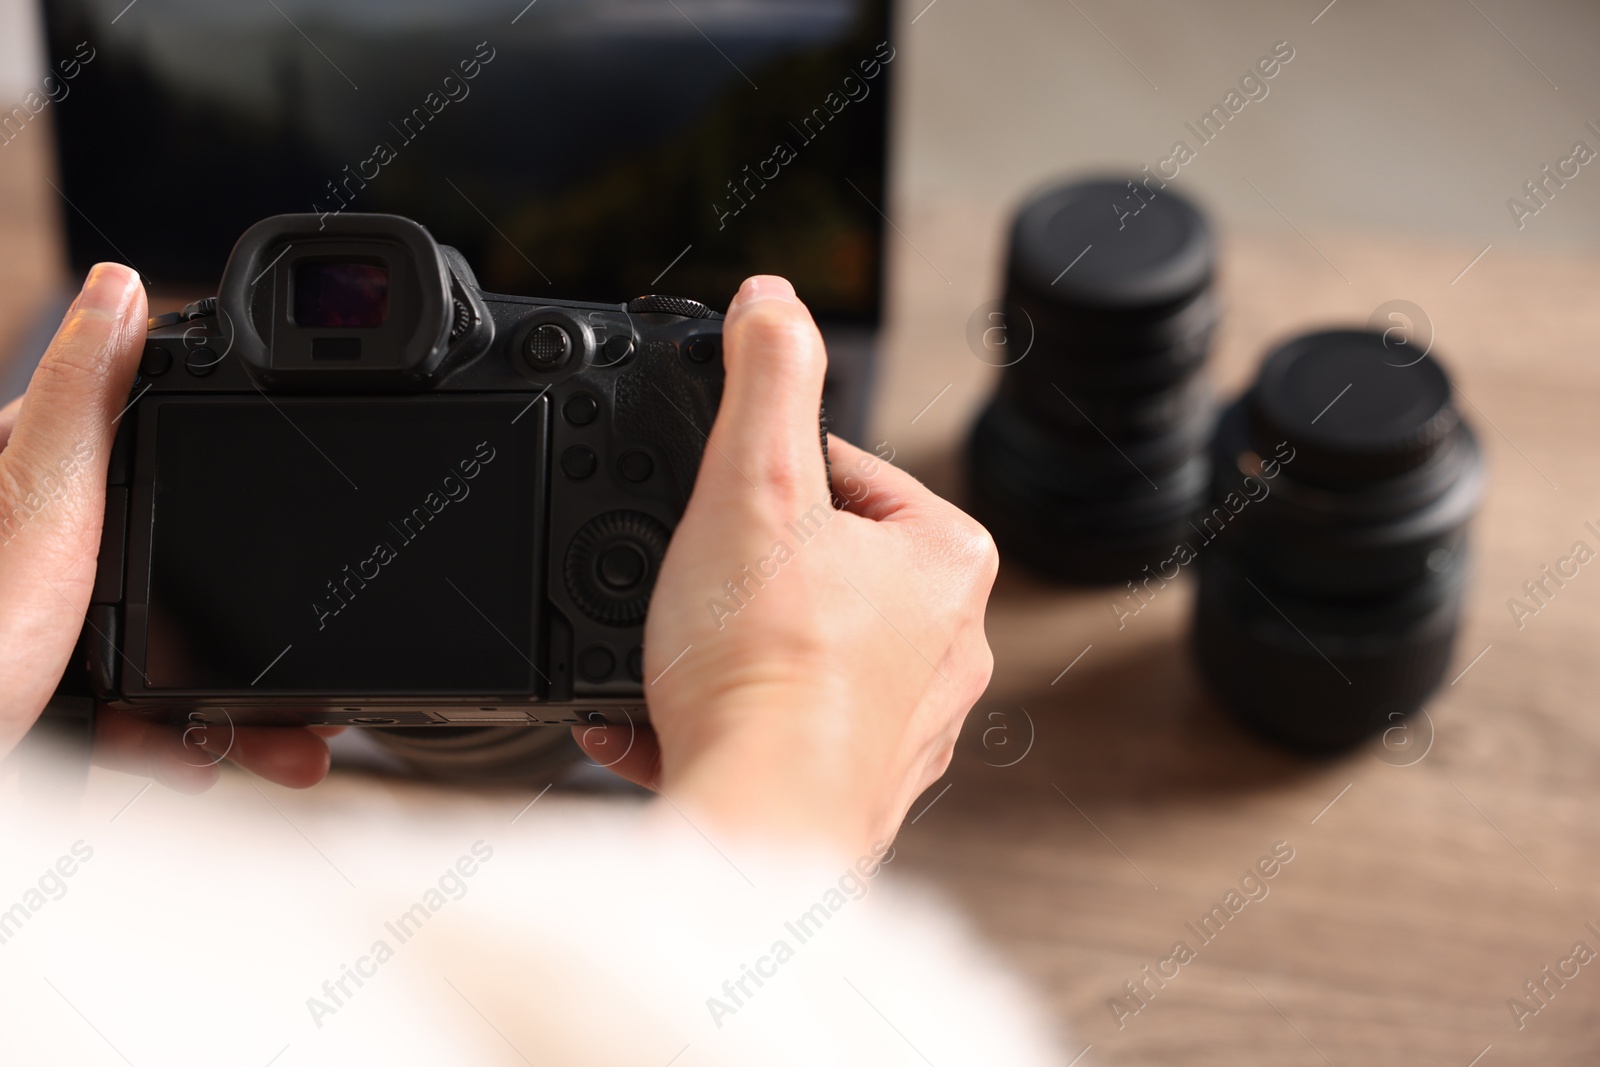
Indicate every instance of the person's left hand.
{"type": "Point", "coordinates": [55, 443]}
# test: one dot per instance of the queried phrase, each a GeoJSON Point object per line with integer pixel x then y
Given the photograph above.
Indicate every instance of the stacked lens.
{"type": "Point", "coordinates": [1091, 456]}
{"type": "Point", "coordinates": [1333, 553]}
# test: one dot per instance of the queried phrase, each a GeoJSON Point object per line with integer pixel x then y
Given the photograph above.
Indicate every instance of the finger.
{"type": "Point", "coordinates": [62, 438]}
{"type": "Point", "coordinates": [766, 434]}
{"type": "Point", "coordinates": [296, 758]}
{"type": "Point", "coordinates": [629, 752]}
{"type": "Point", "coordinates": [52, 487]}
{"type": "Point", "coordinates": [151, 750]}
{"type": "Point", "coordinates": [875, 488]}
{"type": "Point", "coordinates": [946, 537]}
{"type": "Point", "coordinates": [8, 419]}
{"type": "Point", "coordinates": [187, 759]}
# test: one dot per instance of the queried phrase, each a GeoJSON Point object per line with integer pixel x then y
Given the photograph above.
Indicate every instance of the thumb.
{"type": "Point", "coordinates": [52, 484]}
{"type": "Point", "coordinates": [53, 467]}
{"type": "Point", "coordinates": [766, 430]}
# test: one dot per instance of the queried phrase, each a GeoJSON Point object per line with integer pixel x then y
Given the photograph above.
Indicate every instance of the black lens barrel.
{"type": "Point", "coordinates": [1329, 604]}
{"type": "Point", "coordinates": [1091, 456]}
{"type": "Point", "coordinates": [1326, 511]}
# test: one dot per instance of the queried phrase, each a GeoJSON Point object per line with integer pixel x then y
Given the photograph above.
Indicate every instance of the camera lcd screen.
{"type": "Point", "coordinates": [341, 547]}
{"type": "Point", "coordinates": [340, 294]}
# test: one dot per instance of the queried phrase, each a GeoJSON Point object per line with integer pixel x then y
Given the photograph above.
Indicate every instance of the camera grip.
{"type": "Point", "coordinates": [674, 407]}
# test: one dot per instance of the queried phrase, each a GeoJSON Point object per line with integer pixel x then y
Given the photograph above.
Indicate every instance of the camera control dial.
{"type": "Point", "coordinates": [670, 305]}
{"type": "Point", "coordinates": [611, 566]}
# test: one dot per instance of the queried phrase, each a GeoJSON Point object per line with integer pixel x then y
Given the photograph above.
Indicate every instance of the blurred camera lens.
{"type": "Point", "coordinates": [1091, 456]}
{"type": "Point", "coordinates": [485, 755]}
{"type": "Point", "coordinates": [1333, 554]}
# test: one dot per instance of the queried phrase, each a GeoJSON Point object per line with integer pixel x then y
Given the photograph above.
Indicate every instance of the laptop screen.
{"type": "Point", "coordinates": [583, 149]}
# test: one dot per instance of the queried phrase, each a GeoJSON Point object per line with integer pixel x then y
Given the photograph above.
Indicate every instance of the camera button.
{"type": "Point", "coordinates": [623, 566]}
{"type": "Point", "coordinates": [548, 346]}
{"type": "Point", "coordinates": [578, 462]}
{"type": "Point", "coordinates": [616, 351]}
{"type": "Point", "coordinates": [636, 466]}
{"type": "Point", "coordinates": [156, 362]}
{"type": "Point", "coordinates": [704, 349]}
{"type": "Point", "coordinates": [200, 362]}
{"type": "Point", "coordinates": [581, 409]}
{"type": "Point", "coordinates": [596, 663]}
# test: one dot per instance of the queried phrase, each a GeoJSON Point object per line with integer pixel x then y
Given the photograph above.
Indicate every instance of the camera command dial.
{"type": "Point", "coordinates": [612, 565]}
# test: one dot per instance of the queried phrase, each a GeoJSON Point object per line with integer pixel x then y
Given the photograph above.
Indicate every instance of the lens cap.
{"type": "Point", "coordinates": [1352, 411]}
{"type": "Point", "coordinates": [1111, 246]}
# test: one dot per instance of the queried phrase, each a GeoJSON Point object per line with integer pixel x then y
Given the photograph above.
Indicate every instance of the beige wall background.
{"type": "Point", "coordinates": [20, 48]}
{"type": "Point", "coordinates": [1422, 116]}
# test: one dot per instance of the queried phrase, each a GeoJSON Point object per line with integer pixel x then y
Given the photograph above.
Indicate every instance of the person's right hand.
{"type": "Point", "coordinates": [807, 670]}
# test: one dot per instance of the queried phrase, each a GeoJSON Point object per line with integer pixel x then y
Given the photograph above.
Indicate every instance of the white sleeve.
{"type": "Point", "coordinates": [257, 926]}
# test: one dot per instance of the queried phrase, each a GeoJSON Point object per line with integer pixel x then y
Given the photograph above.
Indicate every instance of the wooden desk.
{"type": "Point", "coordinates": [1425, 895]}
{"type": "Point", "coordinates": [1420, 898]}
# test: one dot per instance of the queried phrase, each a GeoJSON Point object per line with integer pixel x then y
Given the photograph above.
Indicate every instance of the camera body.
{"type": "Point", "coordinates": [355, 489]}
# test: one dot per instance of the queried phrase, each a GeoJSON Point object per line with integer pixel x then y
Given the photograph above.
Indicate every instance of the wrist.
{"type": "Point", "coordinates": [777, 770]}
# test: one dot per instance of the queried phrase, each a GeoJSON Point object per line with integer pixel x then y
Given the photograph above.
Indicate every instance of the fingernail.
{"type": "Point", "coordinates": [107, 289]}
{"type": "Point", "coordinates": [765, 287]}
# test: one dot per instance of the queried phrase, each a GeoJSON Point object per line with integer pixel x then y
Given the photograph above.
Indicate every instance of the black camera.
{"type": "Point", "coordinates": [353, 488]}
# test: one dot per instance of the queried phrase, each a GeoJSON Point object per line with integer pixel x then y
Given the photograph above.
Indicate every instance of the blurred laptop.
{"type": "Point", "coordinates": [583, 149]}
